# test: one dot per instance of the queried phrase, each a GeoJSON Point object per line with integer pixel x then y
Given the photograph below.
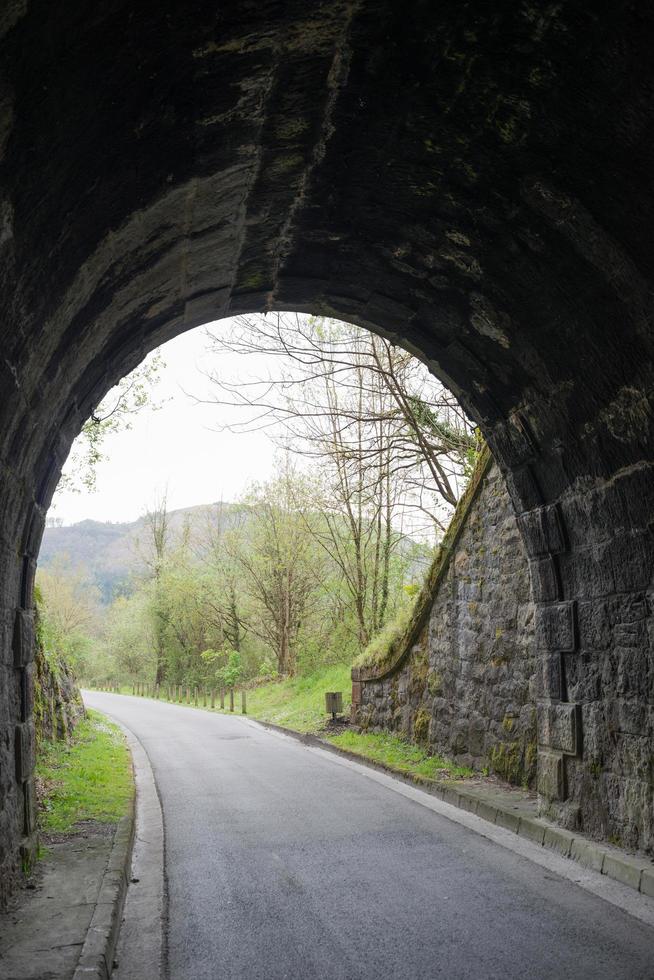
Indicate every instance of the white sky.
{"type": "Point", "coordinates": [175, 447]}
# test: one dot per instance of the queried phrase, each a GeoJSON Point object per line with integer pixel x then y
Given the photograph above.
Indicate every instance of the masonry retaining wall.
{"type": "Point", "coordinates": [463, 682]}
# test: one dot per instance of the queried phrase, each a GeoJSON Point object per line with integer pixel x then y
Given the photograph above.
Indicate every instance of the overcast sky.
{"type": "Point", "coordinates": [175, 446]}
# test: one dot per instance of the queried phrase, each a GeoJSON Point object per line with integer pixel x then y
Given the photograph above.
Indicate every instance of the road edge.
{"type": "Point", "coordinates": [97, 956]}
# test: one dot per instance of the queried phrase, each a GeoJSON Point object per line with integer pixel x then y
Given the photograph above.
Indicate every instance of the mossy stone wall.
{"type": "Point", "coordinates": [467, 688]}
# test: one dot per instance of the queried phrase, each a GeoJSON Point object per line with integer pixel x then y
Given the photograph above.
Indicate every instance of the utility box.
{"type": "Point", "coordinates": [334, 703]}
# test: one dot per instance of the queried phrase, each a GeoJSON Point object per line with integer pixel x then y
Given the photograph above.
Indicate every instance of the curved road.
{"type": "Point", "coordinates": [282, 862]}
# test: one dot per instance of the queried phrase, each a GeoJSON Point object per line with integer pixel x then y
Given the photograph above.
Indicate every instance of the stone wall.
{"type": "Point", "coordinates": [464, 686]}
{"type": "Point", "coordinates": [58, 704]}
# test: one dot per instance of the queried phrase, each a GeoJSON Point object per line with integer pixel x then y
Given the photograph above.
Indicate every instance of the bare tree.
{"type": "Point", "coordinates": [277, 568]}
{"type": "Point", "coordinates": [337, 385]}
{"type": "Point", "coordinates": [154, 552]}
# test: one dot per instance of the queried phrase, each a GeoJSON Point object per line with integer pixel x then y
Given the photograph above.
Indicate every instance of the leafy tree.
{"type": "Point", "coordinates": [114, 414]}
{"type": "Point", "coordinates": [70, 608]}
{"type": "Point", "coordinates": [231, 669]}
{"type": "Point", "coordinates": [279, 566]}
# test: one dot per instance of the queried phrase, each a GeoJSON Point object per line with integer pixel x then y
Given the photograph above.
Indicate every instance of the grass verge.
{"type": "Point", "coordinates": [399, 755]}
{"type": "Point", "coordinates": [88, 778]}
{"type": "Point", "coordinates": [299, 702]}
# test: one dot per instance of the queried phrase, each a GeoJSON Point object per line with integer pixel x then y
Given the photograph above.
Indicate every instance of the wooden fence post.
{"type": "Point", "coordinates": [243, 703]}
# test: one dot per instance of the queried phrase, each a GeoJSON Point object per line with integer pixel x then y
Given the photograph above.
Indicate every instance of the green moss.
{"type": "Point", "coordinates": [254, 281]}
{"type": "Point", "coordinates": [506, 761]}
{"type": "Point", "coordinates": [508, 723]}
{"type": "Point", "coordinates": [399, 754]}
{"type": "Point", "coordinates": [388, 641]}
{"type": "Point", "coordinates": [421, 725]}
{"type": "Point", "coordinates": [595, 768]}
{"type": "Point", "coordinates": [285, 163]}
{"type": "Point", "coordinates": [290, 128]}
{"type": "Point", "coordinates": [435, 683]}
{"type": "Point", "coordinates": [418, 677]}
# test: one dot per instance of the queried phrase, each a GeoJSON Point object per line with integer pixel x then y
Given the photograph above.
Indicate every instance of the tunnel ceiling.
{"type": "Point", "coordinates": [472, 179]}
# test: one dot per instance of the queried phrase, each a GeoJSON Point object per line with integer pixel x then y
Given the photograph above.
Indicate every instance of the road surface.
{"type": "Point", "coordinates": [281, 862]}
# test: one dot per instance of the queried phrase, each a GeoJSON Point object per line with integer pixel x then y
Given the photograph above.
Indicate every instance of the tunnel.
{"type": "Point", "coordinates": [473, 181]}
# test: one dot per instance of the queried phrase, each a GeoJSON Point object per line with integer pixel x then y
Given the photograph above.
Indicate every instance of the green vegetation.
{"type": "Point", "coordinates": [280, 593]}
{"type": "Point", "coordinates": [421, 725]}
{"type": "Point", "coordinates": [88, 778]}
{"type": "Point", "coordinates": [401, 632]}
{"type": "Point", "coordinates": [299, 702]}
{"type": "Point", "coordinates": [398, 754]}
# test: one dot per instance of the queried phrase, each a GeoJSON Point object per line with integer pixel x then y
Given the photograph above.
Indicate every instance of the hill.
{"type": "Point", "coordinates": [109, 554]}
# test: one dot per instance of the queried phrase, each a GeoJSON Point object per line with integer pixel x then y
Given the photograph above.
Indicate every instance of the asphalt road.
{"type": "Point", "coordinates": [283, 863]}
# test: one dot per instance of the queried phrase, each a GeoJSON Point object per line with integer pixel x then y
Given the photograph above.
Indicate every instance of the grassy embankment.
{"type": "Point", "coordinates": [88, 778]}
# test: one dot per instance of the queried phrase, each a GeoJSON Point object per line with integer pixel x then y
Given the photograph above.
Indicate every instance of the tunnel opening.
{"type": "Point", "coordinates": [433, 178]}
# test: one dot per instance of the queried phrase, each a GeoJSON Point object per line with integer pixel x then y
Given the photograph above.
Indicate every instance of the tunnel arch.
{"type": "Point", "coordinates": [429, 174]}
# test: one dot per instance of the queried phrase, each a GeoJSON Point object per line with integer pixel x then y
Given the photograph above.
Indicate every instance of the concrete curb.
{"type": "Point", "coordinates": [633, 871]}
{"type": "Point", "coordinates": [97, 956]}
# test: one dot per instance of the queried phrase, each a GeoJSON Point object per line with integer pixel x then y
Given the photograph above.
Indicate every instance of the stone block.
{"type": "Point", "coordinates": [29, 807]}
{"type": "Point", "coordinates": [551, 776]}
{"type": "Point", "coordinates": [514, 441]}
{"type": "Point", "coordinates": [558, 840]}
{"type": "Point", "coordinates": [34, 532]}
{"type": "Point", "coordinates": [647, 882]}
{"type": "Point", "coordinates": [468, 802]}
{"type": "Point", "coordinates": [524, 488]}
{"type": "Point", "coordinates": [24, 747]}
{"type": "Point", "coordinates": [542, 531]}
{"type": "Point", "coordinates": [507, 819]}
{"type": "Point", "coordinates": [558, 726]}
{"type": "Point", "coordinates": [486, 810]}
{"type": "Point", "coordinates": [587, 853]}
{"type": "Point", "coordinates": [23, 641]}
{"type": "Point", "coordinates": [531, 829]}
{"type": "Point", "coordinates": [549, 676]}
{"type": "Point", "coordinates": [545, 579]}
{"type": "Point", "coordinates": [623, 868]}
{"type": "Point", "coordinates": [27, 691]}
{"type": "Point", "coordinates": [556, 627]}
{"type": "Point", "coordinates": [27, 579]}
{"type": "Point", "coordinates": [449, 795]}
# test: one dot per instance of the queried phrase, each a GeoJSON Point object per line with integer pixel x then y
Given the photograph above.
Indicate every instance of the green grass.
{"type": "Point", "coordinates": [399, 755]}
{"type": "Point", "coordinates": [299, 703]}
{"type": "Point", "coordinates": [89, 778]}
